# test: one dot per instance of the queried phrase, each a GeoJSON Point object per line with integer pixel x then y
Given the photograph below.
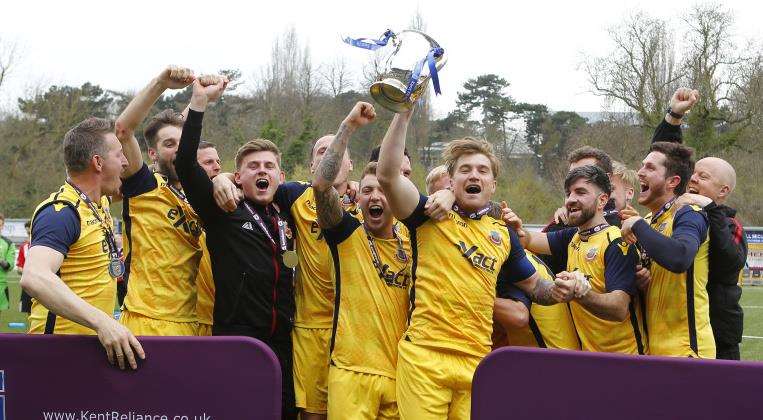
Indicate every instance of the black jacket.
{"type": "Point", "coordinates": [254, 291]}
{"type": "Point", "coordinates": [727, 257]}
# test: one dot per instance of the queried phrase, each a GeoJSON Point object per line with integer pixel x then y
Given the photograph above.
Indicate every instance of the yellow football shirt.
{"type": "Point", "coordinates": [65, 222]}
{"type": "Point", "coordinates": [677, 305]}
{"type": "Point", "coordinates": [609, 263]}
{"type": "Point", "coordinates": [456, 265]}
{"type": "Point", "coordinates": [162, 249]}
{"type": "Point", "coordinates": [313, 287]}
{"type": "Point", "coordinates": [372, 304]}
{"type": "Point", "coordinates": [549, 326]}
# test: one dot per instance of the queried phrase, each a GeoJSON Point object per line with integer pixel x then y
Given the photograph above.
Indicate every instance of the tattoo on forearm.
{"type": "Point", "coordinates": [327, 202]}
{"type": "Point", "coordinates": [541, 293]}
{"type": "Point", "coordinates": [329, 166]}
{"type": "Point", "coordinates": [332, 159]}
{"type": "Point", "coordinates": [329, 207]}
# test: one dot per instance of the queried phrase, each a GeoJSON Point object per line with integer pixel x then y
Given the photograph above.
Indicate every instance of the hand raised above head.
{"type": "Point", "coordinates": [683, 100]}
{"type": "Point", "coordinates": [361, 114]}
{"type": "Point", "coordinates": [176, 77]}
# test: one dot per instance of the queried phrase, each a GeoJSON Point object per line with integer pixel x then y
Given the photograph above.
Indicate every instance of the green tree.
{"type": "Point", "coordinates": [272, 131]}
{"type": "Point", "coordinates": [297, 149]}
{"type": "Point", "coordinates": [486, 94]}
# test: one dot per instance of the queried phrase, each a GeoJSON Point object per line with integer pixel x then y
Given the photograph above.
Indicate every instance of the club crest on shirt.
{"type": "Point", "coordinates": [591, 254]}
{"type": "Point", "coordinates": [495, 237]}
{"type": "Point", "coordinates": [662, 226]}
{"type": "Point", "coordinates": [401, 255]}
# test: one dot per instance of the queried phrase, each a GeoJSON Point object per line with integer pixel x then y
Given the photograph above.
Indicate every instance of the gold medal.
{"type": "Point", "coordinates": [290, 258]}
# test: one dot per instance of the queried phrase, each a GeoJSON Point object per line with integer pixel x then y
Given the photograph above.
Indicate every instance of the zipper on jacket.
{"type": "Point", "coordinates": [277, 271]}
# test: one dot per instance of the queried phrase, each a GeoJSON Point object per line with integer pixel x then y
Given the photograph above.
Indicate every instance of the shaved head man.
{"type": "Point", "coordinates": [713, 178]}
{"type": "Point", "coordinates": [709, 187]}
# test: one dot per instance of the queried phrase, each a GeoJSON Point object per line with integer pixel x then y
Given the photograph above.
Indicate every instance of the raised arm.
{"type": "Point", "coordinates": [170, 78]}
{"type": "Point", "coordinates": [193, 178]}
{"type": "Point", "coordinates": [326, 197]}
{"type": "Point", "coordinates": [402, 195]}
{"type": "Point", "coordinates": [669, 128]}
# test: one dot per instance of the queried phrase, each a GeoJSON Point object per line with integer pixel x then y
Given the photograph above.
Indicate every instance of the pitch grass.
{"type": "Point", "coordinates": [752, 303]}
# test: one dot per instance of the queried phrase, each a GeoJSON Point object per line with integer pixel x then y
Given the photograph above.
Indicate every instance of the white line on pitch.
{"type": "Point", "coordinates": [752, 336]}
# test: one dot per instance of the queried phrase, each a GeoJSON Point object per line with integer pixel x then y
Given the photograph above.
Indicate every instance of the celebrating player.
{"type": "Point", "coordinates": [73, 260]}
{"type": "Point", "coordinates": [676, 241]}
{"type": "Point", "coordinates": [604, 313]}
{"type": "Point", "coordinates": [456, 265]}
{"type": "Point", "coordinates": [371, 276]}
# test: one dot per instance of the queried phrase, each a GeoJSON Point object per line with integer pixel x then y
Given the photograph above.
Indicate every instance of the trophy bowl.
{"type": "Point", "coordinates": [395, 88]}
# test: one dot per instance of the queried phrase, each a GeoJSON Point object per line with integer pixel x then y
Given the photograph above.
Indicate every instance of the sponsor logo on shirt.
{"type": "Point", "coordinates": [179, 220]}
{"type": "Point", "coordinates": [476, 258]}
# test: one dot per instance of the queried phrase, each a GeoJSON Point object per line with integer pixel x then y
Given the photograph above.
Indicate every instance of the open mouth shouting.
{"type": "Point", "coordinates": [262, 184]}
{"type": "Point", "coordinates": [644, 187]}
{"type": "Point", "coordinates": [473, 189]}
{"type": "Point", "coordinates": [375, 211]}
{"type": "Point", "coordinates": [692, 189]}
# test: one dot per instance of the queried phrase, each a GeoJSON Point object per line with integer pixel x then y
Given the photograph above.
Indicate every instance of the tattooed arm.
{"type": "Point", "coordinates": [326, 197]}
{"type": "Point", "coordinates": [539, 290]}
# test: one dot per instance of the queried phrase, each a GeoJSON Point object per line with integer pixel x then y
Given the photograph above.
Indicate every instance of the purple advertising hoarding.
{"type": "Point", "coordinates": [182, 378]}
{"type": "Point", "coordinates": [521, 383]}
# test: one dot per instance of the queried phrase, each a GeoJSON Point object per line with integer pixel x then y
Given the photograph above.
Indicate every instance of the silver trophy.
{"type": "Point", "coordinates": [406, 71]}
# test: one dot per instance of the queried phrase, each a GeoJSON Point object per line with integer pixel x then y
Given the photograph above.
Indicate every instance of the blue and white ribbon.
{"type": "Point", "coordinates": [375, 44]}
{"type": "Point", "coordinates": [370, 44]}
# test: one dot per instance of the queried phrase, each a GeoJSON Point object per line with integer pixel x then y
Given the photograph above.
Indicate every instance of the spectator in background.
{"type": "Point", "coordinates": [25, 303]}
{"type": "Point", "coordinates": [7, 259]}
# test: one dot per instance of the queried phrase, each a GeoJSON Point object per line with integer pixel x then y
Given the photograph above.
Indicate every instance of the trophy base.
{"type": "Point", "coordinates": [390, 93]}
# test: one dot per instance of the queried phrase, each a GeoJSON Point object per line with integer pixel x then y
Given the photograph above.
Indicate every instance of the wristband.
{"type": "Point", "coordinates": [675, 114]}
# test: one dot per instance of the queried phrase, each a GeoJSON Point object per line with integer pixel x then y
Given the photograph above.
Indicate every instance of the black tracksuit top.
{"type": "Point", "coordinates": [254, 291]}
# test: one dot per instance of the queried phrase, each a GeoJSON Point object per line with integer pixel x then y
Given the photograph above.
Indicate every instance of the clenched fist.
{"type": "Point", "coordinates": [175, 77]}
{"type": "Point", "coordinates": [214, 85]}
{"type": "Point", "coordinates": [361, 114]}
{"type": "Point", "coordinates": [683, 99]}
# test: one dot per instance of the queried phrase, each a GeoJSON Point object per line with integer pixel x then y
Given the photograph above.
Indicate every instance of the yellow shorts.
{"type": "Point", "coordinates": [434, 384]}
{"type": "Point", "coordinates": [311, 368]}
{"type": "Point", "coordinates": [356, 395]}
{"type": "Point", "coordinates": [143, 325]}
{"type": "Point", "coordinates": [205, 330]}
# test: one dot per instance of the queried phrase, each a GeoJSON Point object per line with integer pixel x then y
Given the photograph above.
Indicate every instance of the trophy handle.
{"type": "Point", "coordinates": [439, 61]}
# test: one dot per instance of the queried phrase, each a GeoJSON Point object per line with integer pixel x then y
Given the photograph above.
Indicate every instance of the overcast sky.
{"type": "Point", "coordinates": [535, 45]}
